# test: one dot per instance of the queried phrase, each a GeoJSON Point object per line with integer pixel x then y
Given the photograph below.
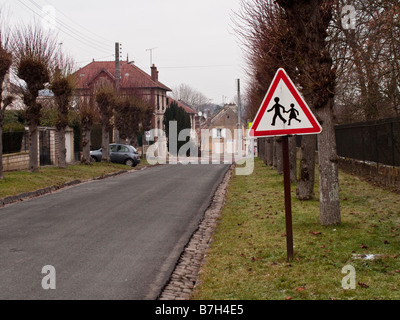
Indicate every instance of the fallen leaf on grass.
{"type": "Point", "coordinates": [363, 246]}
{"type": "Point", "coordinates": [300, 289]}
{"type": "Point", "coordinates": [289, 298]}
{"type": "Point", "coordinates": [315, 233]}
{"type": "Point", "coordinates": [363, 285]}
{"type": "Point", "coordinates": [254, 259]}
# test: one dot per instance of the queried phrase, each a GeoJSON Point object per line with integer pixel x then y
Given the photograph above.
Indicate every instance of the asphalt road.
{"type": "Point", "coordinates": [118, 238]}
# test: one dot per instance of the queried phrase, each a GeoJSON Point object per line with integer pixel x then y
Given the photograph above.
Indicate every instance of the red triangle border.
{"type": "Point", "coordinates": [281, 75]}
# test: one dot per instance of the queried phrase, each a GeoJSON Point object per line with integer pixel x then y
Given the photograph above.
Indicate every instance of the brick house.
{"type": "Point", "coordinates": [133, 80]}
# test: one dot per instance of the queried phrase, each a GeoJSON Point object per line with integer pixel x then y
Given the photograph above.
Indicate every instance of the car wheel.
{"type": "Point", "coordinates": [130, 162]}
{"type": "Point", "coordinates": [93, 159]}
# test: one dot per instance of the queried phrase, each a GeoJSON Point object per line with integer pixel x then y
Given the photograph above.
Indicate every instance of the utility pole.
{"type": "Point", "coordinates": [117, 65]}
{"type": "Point", "coordinates": [117, 80]}
{"type": "Point", "coordinates": [239, 108]}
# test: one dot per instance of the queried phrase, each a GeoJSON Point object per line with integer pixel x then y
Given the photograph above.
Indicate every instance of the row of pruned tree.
{"type": "Point", "coordinates": [293, 35]}
{"type": "Point", "coordinates": [345, 60]}
{"type": "Point", "coordinates": [33, 57]}
{"type": "Point", "coordinates": [35, 60]}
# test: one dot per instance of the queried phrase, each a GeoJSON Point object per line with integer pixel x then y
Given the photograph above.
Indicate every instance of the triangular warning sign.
{"type": "Point", "coordinates": [283, 111]}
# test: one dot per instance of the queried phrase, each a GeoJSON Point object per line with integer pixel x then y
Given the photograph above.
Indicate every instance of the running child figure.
{"type": "Point", "coordinates": [293, 114]}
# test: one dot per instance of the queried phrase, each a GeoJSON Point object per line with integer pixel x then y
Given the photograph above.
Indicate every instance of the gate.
{"type": "Point", "coordinates": [44, 147]}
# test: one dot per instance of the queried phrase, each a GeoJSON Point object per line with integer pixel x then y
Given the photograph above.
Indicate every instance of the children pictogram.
{"type": "Point", "coordinates": [293, 114]}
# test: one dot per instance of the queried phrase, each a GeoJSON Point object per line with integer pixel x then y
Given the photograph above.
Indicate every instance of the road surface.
{"type": "Point", "coordinates": [117, 238]}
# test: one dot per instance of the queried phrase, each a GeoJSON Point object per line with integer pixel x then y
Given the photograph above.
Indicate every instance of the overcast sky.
{"type": "Point", "coordinates": [193, 40]}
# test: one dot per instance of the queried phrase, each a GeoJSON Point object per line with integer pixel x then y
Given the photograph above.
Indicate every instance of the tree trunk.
{"type": "Point", "coordinates": [62, 151]}
{"type": "Point", "coordinates": [105, 157]}
{"type": "Point", "coordinates": [293, 159]}
{"type": "Point", "coordinates": [33, 148]}
{"type": "Point", "coordinates": [328, 170]}
{"type": "Point", "coordinates": [270, 151]}
{"type": "Point", "coordinates": [305, 185]}
{"type": "Point", "coordinates": [265, 151]}
{"type": "Point", "coordinates": [279, 155]}
{"type": "Point", "coordinates": [85, 146]}
{"type": "Point", "coordinates": [1, 152]}
{"type": "Point", "coordinates": [260, 148]}
{"type": "Point", "coordinates": [274, 154]}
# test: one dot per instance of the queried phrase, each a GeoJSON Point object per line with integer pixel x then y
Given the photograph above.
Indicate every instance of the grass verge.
{"type": "Point", "coordinates": [18, 182]}
{"type": "Point", "coordinates": [247, 259]}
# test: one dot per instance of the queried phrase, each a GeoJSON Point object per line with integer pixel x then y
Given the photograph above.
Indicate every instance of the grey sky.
{"type": "Point", "coordinates": [194, 40]}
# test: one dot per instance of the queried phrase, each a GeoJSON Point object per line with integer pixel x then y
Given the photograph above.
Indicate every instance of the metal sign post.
{"type": "Point", "coordinates": [288, 198]}
{"type": "Point", "coordinates": [284, 113]}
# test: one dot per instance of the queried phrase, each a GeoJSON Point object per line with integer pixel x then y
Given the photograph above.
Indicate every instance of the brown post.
{"type": "Point", "coordinates": [288, 198]}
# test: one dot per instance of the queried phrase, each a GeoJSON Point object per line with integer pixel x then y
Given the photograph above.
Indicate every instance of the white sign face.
{"type": "Point", "coordinates": [284, 111]}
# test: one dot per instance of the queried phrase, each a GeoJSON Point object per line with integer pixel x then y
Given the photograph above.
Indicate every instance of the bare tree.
{"type": "Point", "coordinates": [261, 26]}
{"type": "Point", "coordinates": [308, 22]}
{"type": "Point", "coordinates": [34, 52]}
{"type": "Point", "coordinates": [5, 64]}
{"type": "Point", "coordinates": [62, 84]}
{"type": "Point", "coordinates": [105, 97]}
{"type": "Point", "coordinates": [366, 56]}
{"type": "Point", "coordinates": [87, 115]}
{"type": "Point", "coordinates": [189, 95]}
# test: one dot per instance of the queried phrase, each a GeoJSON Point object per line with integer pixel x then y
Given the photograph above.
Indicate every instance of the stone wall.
{"type": "Point", "coordinates": [16, 161]}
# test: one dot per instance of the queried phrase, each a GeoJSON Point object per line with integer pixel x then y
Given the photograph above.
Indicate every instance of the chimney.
{"type": "Point", "coordinates": [154, 73]}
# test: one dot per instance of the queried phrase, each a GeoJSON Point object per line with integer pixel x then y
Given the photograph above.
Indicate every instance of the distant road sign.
{"type": "Point", "coordinates": [284, 111]}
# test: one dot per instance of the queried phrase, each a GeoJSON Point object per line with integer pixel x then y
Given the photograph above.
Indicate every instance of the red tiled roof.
{"type": "Point", "coordinates": [131, 75]}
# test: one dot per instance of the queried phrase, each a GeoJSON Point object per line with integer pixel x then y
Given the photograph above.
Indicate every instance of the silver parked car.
{"type": "Point", "coordinates": [119, 153]}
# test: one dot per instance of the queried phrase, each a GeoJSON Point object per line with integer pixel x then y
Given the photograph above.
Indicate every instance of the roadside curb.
{"type": "Point", "coordinates": [185, 275]}
{"type": "Point", "coordinates": [41, 192]}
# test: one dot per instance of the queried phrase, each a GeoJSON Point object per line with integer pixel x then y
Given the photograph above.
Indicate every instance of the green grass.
{"type": "Point", "coordinates": [18, 182]}
{"type": "Point", "coordinates": [247, 259]}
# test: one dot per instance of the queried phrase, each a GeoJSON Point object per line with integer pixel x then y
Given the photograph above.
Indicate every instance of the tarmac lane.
{"type": "Point", "coordinates": [113, 239]}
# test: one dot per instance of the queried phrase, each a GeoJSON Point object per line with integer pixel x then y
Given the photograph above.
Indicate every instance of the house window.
{"type": "Point", "coordinates": [158, 102]}
{"type": "Point", "coordinates": [219, 133]}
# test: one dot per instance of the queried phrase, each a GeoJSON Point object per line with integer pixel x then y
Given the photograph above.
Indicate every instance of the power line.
{"type": "Point", "coordinates": [75, 32]}
{"type": "Point", "coordinates": [81, 26]}
{"type": "Point", "coordinates": [84, 41]}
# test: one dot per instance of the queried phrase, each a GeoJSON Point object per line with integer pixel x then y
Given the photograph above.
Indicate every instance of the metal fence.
{"type": "Point", "coordinates": [14, 142]}
{"type": "Point", "coordinates": [373, 141]}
